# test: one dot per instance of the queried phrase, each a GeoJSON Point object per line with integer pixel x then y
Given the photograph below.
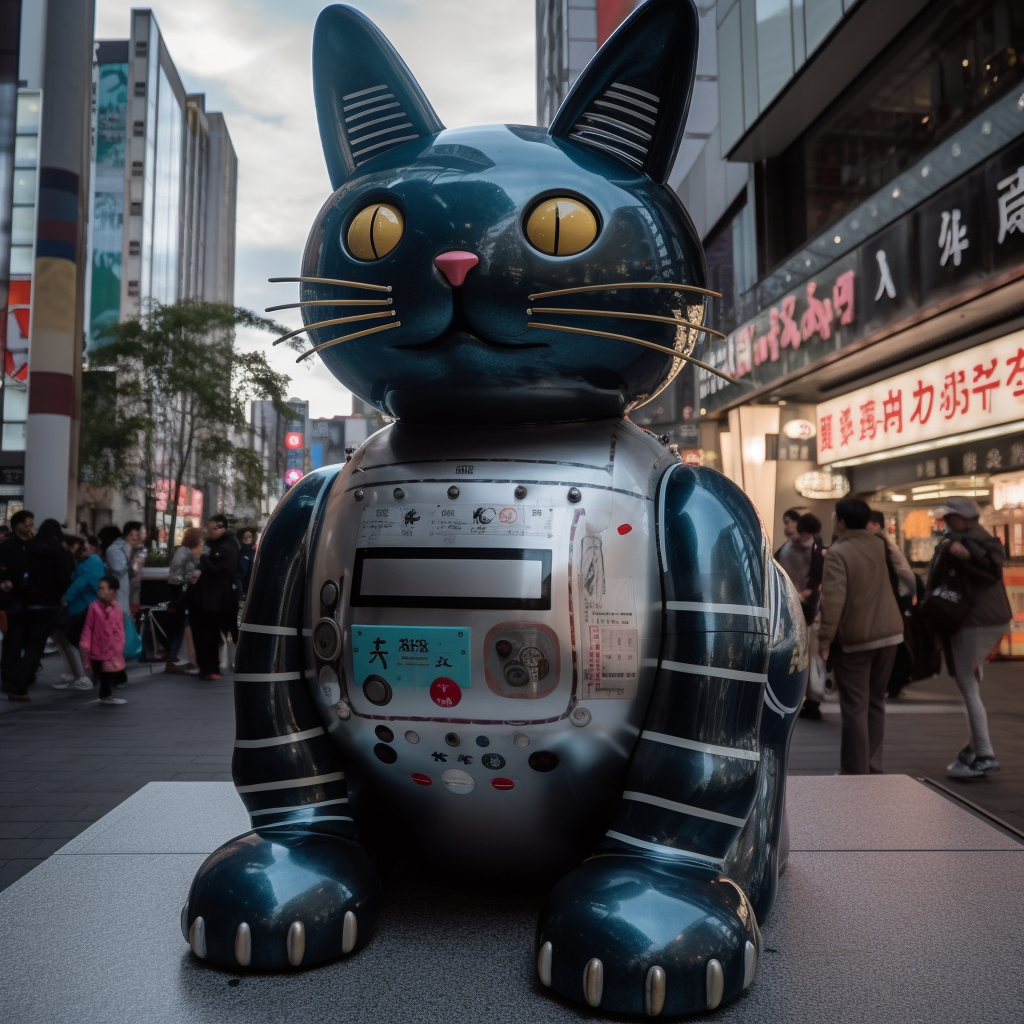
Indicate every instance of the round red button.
{"type": "Point", "coordinates": [421, 780]}
{"type": "Point", "coordinates": [503, 784]}
{"type": "Point", "coordinates": [445, 692]}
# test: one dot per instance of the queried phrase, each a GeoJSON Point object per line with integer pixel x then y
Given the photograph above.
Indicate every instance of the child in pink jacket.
{"type": "Point", "coordinates": [102, 643]}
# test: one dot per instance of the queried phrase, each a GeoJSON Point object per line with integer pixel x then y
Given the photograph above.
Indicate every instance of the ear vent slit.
{"type": "Point", "coordinates": [363, 92]}
{"type": "Point", "coordinates": [617, 122]}
{"type": "Point", "coordinates": [375, 110]}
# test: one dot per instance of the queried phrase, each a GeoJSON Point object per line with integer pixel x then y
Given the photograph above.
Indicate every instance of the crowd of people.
{"type": "Point", "coordinates": [860, 599]}
{"type": "Point", "coordinates": [84, 593]}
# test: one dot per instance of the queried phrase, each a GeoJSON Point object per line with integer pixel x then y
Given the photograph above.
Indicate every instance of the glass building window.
{"type": "Point", "coordinates": [951, 63]}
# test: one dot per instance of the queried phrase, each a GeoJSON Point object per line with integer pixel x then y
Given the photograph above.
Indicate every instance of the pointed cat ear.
{"type": "Point", "coordinates": [631, 100]}
{"type": "Point", "coordinates": [366, 98]}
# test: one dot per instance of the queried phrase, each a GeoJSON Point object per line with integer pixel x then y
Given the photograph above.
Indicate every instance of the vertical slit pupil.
{"type": "Point", "coordinates": [373, 232]}
{"type": "Point", "coordinates": [558, 207]}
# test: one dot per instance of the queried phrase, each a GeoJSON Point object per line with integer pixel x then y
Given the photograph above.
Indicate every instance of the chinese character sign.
{"type": "Point", "coordinates": [982, 387]}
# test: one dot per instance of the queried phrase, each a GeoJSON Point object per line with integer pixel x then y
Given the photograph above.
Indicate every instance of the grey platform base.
{"type": "Point", "coordinates": [897, 906]}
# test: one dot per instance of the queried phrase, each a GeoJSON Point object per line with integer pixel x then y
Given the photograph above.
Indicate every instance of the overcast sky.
{"type": "Point", "coordinates": [473, 58]}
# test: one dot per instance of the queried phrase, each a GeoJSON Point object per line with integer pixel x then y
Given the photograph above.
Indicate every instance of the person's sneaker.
{"type": "Point", "coordinates": [113, 700]}
{"type": "Point", "coordinates": [966, 756]}
{"type": "Point", "coordinates": [66, 682]}
{"type": "Point", "coordinates": [986, 765]}
{"type": "Point", "coordinates": [66, 677]}
{"type": "Point", "coordinates": [83, 683]}
{"type": "Point", "coordinates": [959, 770]}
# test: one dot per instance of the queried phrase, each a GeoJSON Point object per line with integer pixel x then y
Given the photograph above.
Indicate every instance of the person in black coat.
{"type": "Point", "coordinates": [213, 601]}
{"type": "Point", "coordinates": [246, 558]}
{"type": "Point", "coordinates": [13, 580]}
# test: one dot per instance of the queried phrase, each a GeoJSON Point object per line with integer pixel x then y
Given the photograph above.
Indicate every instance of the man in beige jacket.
{"type": "Point", "coordinates": [861, 627]}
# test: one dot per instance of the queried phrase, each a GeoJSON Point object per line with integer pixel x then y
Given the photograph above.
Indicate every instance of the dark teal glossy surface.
{"type": "Point", "coordinates": [466, 354]}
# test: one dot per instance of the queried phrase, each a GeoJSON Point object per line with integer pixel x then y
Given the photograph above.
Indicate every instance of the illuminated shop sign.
{"type": "Point", "coordinates": [969, 234]}
{"type": "Point", "coordinates": [972, 390]}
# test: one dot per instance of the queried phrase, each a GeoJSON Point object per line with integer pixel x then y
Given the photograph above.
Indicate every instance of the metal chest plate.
{"type": "Point", "coordinates": [500, 619]}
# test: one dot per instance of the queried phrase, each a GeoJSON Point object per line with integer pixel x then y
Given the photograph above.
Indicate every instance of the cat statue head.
{"type": "Point", "coordinates": [506, 273]}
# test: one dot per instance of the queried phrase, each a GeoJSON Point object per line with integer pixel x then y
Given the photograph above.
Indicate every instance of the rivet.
{"type": "Point", "coordinates": [654, 992]}
{"type": "Point", "coordinates": [243, 945]}
{"type": "Point", "coordinates": [520, 492]}
{"type": "Point", "coordinates": [453, 492]}
{"type": "Point", "coordinates": [398, 493]}
{"type": "Point", "coordinates": [544, 964]}
{"type": "Point", "coordinates": [574, 495]}
{"type": "Point", "coordinates": [593, 982]}
{"type": "Point", "coordinates": [349, 932]}
{"type": "Point", "coordinates": [358, 495]}
{"type": "Point", "coordinates": [197, 938]}
{"type": "Point", "coordinates": [296, 943]}
{"type": "Point", "coordinates": [714, 984]}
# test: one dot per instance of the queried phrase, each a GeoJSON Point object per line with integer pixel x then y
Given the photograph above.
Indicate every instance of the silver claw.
{"type": "Point", "coordinates": [349, 932]}
{"type": "Point", "coordinates": [296, 943]}
{"type": "Point", "coordinates": [749, 964]}
{"type": "Point", "coordinates": [714, 984]}
{"type": "Point", "coordinates": [544, 964]}
{"type": "Point", "coordinates": [197, 938]}
{"type": "Point", "coordinates": [593, 982]}
{"type": "Point", "coordinates": [243, 945]}
{"type": "Point", "coordinates": [654, 992]}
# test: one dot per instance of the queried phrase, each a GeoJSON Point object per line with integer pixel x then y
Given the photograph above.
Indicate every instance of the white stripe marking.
{"type": "Point", "coordinates": [714, 670]}
{"type": "Point", "coordinates": [377, 145]}
{"type": "Point", "coordinates": [372, 99]}
{"type": "Point", "coordinates": [306, 821]}
{"type": "Point", "coordinates": [374, 110]}
{"type": "Point", "coordinates": [252, 627]}
{"type": "Point", "coordinates": [279, 741]}
{"type": "Point", "coordinates": [377, 88]}
{"type": "Point", "coordinates": [661, 516]}
{"type": "Point", "coordinates": [769, 692]}
{"type": "Point", "coordinates": [382, 131]}
{"type": "Point", "coordinates": [299, 807]}
{"type": "Point", "coordinates": [670, 850]}
{"type": "Point", "coordinates": [266, 677]}
{"type": "Point", "coordinates": [310, 780]}
{"type": "Point", "coordinates": [702, 748]}
{"type": "Point", "coordinates": [697, 812]}
{"type": "Point", "coordinates": [753, 610]}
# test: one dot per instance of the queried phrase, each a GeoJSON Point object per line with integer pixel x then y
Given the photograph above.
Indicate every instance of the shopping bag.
{"type": "Point", "coordinates": [132, 640]}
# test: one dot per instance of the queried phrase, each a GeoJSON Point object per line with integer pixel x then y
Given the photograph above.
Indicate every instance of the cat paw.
{"type": "Point", "coordinates": [281, 897]}
{"type": "Point", "coordinates": [633, 935]}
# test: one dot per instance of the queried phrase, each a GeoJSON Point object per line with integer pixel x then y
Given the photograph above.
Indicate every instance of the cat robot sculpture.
{"type": "Point", "coordinates": [513, 634]}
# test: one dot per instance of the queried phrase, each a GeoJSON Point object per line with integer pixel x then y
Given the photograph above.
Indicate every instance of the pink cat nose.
{"type": "Point", "coordinates": [455, 265]}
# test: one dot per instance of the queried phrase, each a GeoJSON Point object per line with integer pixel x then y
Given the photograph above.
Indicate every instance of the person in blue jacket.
{"type": "Point", "coordinates": [81, 593]}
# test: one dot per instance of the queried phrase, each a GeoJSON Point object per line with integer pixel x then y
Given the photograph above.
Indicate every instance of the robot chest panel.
{"type": "Point", "coordinates": [485, 601]}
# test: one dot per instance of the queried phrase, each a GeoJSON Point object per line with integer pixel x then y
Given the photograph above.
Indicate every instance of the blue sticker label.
{"type": "Point", "coordinates": [411, 655]}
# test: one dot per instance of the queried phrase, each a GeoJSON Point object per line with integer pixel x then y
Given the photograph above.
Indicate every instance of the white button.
{"type": "Point", "coordinates": [457, 781]}
{"type": "Point", "coordinates": [521, 739]}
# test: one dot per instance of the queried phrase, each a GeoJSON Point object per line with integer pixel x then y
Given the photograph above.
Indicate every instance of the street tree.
{"type": "Point", "coordinates": [172, 393]}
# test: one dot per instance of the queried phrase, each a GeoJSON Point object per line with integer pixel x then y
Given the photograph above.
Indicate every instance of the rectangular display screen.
{"type": "Point", "coordinates": [443, 578]}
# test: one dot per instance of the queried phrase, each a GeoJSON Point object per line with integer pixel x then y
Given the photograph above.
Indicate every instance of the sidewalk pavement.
{"type": "Point", "coordinates": [66, 760]}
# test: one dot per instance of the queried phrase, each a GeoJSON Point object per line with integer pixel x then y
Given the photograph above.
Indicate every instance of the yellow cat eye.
{"type": "Point", "coordinates": [560, 226]}
{"type": "Point", "coordinates": [375, 231]}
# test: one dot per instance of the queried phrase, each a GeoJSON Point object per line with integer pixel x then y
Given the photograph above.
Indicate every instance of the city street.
{"type": "Point", "coordinates": [65, 760]}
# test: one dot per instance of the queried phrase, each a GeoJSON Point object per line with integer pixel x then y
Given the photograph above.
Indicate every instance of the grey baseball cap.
{"type": "Point", "coordinates": [966, 507]}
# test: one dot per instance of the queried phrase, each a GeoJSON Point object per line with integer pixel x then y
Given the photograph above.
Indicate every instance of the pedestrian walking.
{"type": "Point", "coordinates": [904, 574]}
{"type": "Point", "coordinates": [116, 558]}
{"type": "Point", "coordinates": [102, 642]}
{"type": "Point", "coordinates": [803, 558]}
{"type": "Point", "coordinates": [789, 520]}
{"type": "Point", "coordinates": [860, 628]}
{"type": "Point", "coordinates": [83, 590]}
{"type": "Point", "coordinates": [184, 562]}
{"type": "Point", "coordinates": [977, 558]}
{"type": "Point", "coordinates": [246, 559]}
{"type": "Point", "coordinates": [13, 597]}
{"type": "Point", "coordinates": [213, 604]}
{"type": "Point", "coordinates": [135, 552]}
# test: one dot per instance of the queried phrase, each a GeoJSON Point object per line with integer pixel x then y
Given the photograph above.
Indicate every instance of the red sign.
{"type": "Point", "coordinates": [293, 439]}
{"type": "Point", "coordinates": [293, 476]}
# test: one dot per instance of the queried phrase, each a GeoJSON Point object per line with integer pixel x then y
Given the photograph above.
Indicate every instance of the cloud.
{"type": "Point", "coordinates": [474, 60]}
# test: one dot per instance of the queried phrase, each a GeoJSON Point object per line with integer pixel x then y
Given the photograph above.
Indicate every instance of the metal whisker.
{"type": "Point", "coordinates": [639, 341]}
{"type": "Point", "coordinates": [348, 337]}
{"type": "Point", "coordinates": [331, 280]}
{"type": "Point", "coordinates": [626, 284]}
{"type": "Point", "coordinates": [677, 321]}
{"type": "Point", "coordinates": [331, 323]}
{"type": "Point", "coordinates": [330, 302]}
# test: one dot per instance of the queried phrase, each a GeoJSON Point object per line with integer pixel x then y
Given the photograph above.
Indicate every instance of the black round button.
{"type": "Point", "coordinates": [493, 761]}
{"type": "Point", "coordinates": [543, 761]}
{"type": "Point", "coordinates": [384, 733]}
{"type": "Point", "coordinates": [516, 675]}
{"type": "Point", "coordinates": [376, 690]}
{"type": "Point", "coordinates": [398, 493]}
{"type": "Point", "coordinates": [329, 593]}
{"type": "Point", "coordinates": [327, 639]}
{"type": "Point", "coordinates": [574, 495]}
{"type": "Point", "coordinates": [504, 648]}
{"type": "Point", "coordinates": [453, 492]}
{"type": "Point", "coordinates": [452, 739]}
{"type": "Point", "coordinates": [385, 753]}
{"type": "Point", "coordinates": [520, 492]}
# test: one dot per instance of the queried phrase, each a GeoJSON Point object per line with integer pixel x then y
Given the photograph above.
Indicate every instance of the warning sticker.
{"type": "Point", "coordinates": [610, 631]}
{"type": "Point", "coordinates": [432, 524]}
